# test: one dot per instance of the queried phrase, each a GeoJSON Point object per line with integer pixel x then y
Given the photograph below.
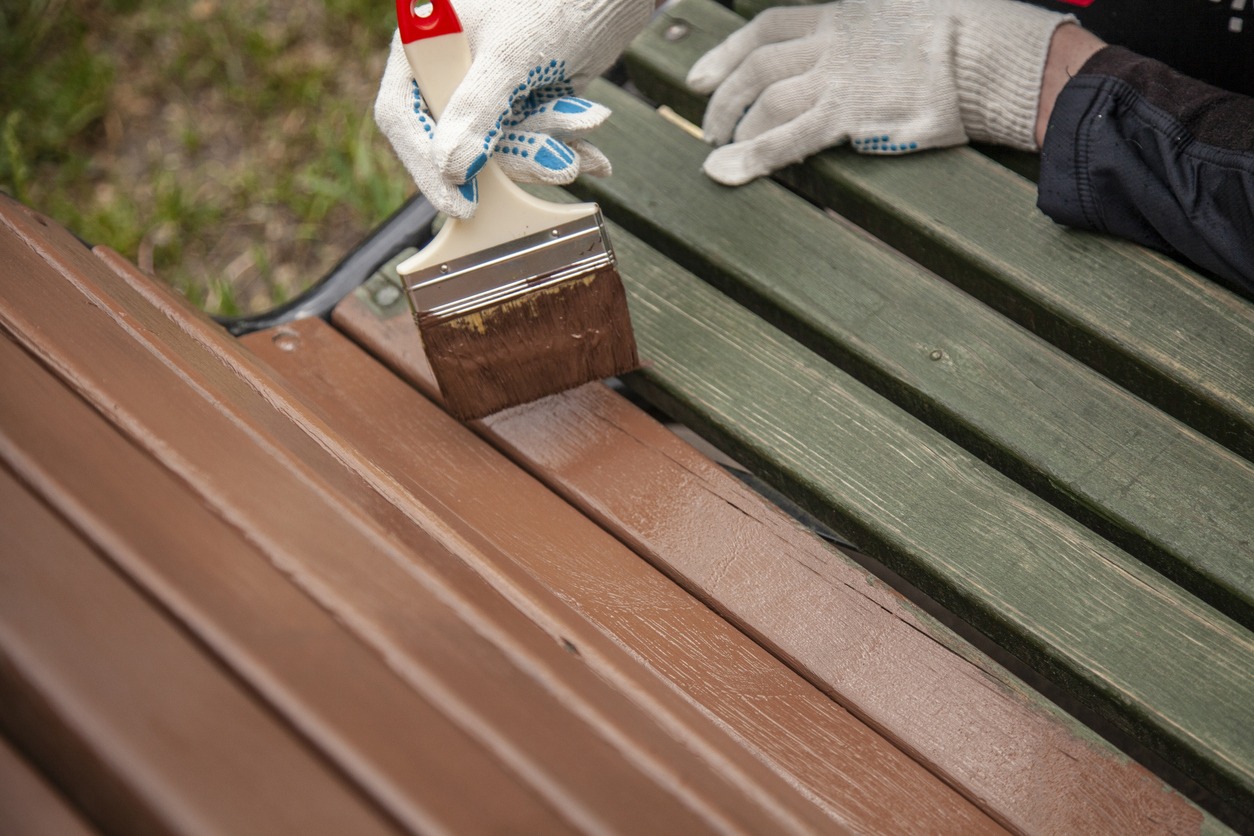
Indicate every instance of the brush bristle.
{"type": "Point", "coordinates": [541, 343]}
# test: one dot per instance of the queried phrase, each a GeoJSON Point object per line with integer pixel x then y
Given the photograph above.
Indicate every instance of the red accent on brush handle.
{"type": "Point", "coordinates": [442, 20]}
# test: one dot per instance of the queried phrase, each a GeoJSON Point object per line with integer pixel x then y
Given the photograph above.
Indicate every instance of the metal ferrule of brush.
{"type": "Point", "coordinates": [494, 276]}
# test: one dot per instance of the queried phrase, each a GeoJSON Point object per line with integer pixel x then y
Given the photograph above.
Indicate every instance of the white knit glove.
{"type": "Point", "coordinates": [889, 76]}
{"type": "Point", "coordinates": [518, 103]}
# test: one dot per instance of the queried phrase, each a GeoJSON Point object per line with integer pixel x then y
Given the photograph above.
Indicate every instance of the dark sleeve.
{"type": "Point", "coordinates": [1138, 150]}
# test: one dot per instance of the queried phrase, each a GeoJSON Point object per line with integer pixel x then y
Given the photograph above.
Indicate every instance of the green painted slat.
{"type": "Point", "coordinates": [1176, 499]}
{"type": "Point", "coordinates": [1142, 652]}
{"type": "Point", "coordinates": [1024, 163]}
{"type": "Point", "coordinates": [1170, 336]}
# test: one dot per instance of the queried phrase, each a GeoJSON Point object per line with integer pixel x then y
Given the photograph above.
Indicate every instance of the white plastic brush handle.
{"type": "Point", "coordinates": [439, 56]}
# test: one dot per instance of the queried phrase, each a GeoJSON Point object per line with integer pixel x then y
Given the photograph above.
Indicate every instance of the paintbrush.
{"type": "Point", "coordinates": [524, 299]}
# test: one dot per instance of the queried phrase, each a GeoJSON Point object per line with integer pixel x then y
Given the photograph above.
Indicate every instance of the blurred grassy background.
{"type": "Point", "coordinates": [224, 145]}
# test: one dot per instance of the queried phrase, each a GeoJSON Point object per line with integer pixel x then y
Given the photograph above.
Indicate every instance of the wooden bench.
{"type": "Point", "coordinates": [266, 585]}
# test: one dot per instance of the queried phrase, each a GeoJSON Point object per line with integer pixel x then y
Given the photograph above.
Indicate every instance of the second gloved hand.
{"type": "Point", "coordinates": [888, 76]}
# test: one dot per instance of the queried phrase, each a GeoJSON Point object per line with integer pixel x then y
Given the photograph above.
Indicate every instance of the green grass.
{"type": "Point", "coordinates": [224, 145]}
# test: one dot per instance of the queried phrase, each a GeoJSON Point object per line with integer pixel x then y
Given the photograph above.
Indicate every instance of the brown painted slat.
{"type": "Point", "coordinates": [334, 690]}
{"type": "Point", "coordinates": [256, 459]}
{"type": "Point", "coordinates": [139, 728]}
{"type": "Point", "coordinates": [832, 755]}
{"type": "Point", "coordinates": [953, 709]}
{"type": "Point", "coordinates": [30, 805]}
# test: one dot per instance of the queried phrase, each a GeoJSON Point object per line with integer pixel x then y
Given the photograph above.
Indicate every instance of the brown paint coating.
{"type": "Point", "coordinates": [380, 590]}
{"type": "Point", "coordinates": [696, 731]}
{"type": "Point", "coordinates": [297, 657]}
{"type": "Point", "coordinates": [136, 724]}
{"type": "Point", "coordinates": [548, 341]}
{"type": "Point", "coordinates": [287, 342]}
{"type": "Point", "coordinates": [29, 804]}
{"type": "Point", "coordinates": [465, 648]}
{"type": "Point", "coordinates": [819, 746]}
{"type": "Point", "coordinates": [955, 711]}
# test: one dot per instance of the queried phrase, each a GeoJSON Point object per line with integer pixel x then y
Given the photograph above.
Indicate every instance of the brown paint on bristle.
{"type": "Point", "coordinates": [542, 343]}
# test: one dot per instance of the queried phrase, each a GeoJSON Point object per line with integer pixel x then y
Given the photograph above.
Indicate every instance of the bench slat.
{"type": "Point", "coordinates": [1157, 328]}
{"type": "Point", "coordinates": [1152, 658]}
{"type": "Point", "coordinates": [933, 695]}
{"type": "Point", "coordinates": [443, 630]}
{"type": "Point", "coordinates": [1088, 446]}
{"type": "Point", "coordinates": [132, 721]}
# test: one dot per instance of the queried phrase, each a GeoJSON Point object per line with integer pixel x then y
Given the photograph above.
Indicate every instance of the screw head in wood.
{"type": "Point", "coordinates": [677, 31]}
{"type": "Point", "coordinates": [386, 294]}
{"type": "Point", "coordinates": [286, 339]}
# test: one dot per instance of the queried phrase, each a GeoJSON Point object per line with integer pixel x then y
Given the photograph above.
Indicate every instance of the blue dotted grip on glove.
{"type": "Point", "coordinates": [420, 108]}
{"type": "Point", "coordinates": [546, 88]}
{"type": "Point", "coordinates": [883, 144]}
{"type": "Point", "coordinates": [468, 189]}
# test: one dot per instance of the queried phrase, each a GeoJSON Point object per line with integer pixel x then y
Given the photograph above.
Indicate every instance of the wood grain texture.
{"type": "Point", "coordinates": [134, 723]}
{"type": "Point", "coordinates": [939, 700]}
{"type": "Point", "coordinates": [1176, 499]}
{"type": "Point", "coordinates": [405, 591]}
{"type": "Point", "coordinates": [833, 757]}
{"type": "Point", "coordinates": [1172, 337]}
{"type": "Point", "coordinates": [31, 805]}
{"type": "Point", "coordinates": [381, 733]}
{"type": "Point", "coordinates": [1153, 659]}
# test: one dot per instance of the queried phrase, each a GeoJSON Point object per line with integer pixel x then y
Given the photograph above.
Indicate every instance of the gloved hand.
{"type": "Point", "coordinates": [529, 62]}
{"type": "Point", "coordinates": [889, 76]}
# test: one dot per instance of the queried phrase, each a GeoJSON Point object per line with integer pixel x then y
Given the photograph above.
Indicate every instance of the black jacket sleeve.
{"type": "Point", "coordinates": [1138, 150]}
